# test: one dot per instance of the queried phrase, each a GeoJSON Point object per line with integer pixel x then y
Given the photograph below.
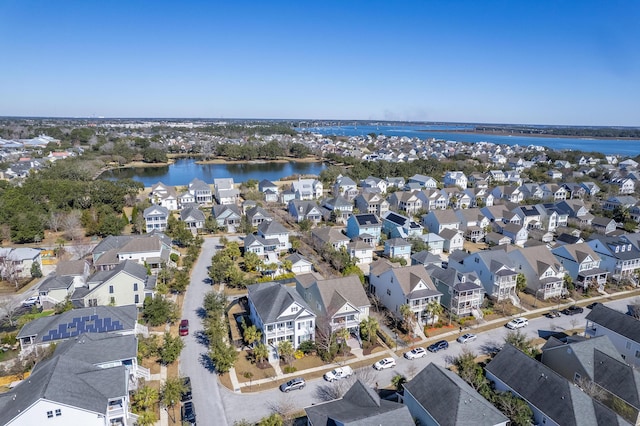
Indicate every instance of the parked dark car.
{"type": "Point", "coordinates": [188, 413]}
{"type": "Point", "coordinates": [591, 305]}
{"type": "Point", "coordinates": [572, 310]}
{"type": "Point", "coordinates": [442, 344]}
{"type": "Point", "coordinates": [186, 395]}
{"type": "Point", "coordinates": [293, 384]}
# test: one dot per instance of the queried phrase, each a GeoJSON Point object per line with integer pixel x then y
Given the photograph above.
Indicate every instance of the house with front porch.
{"type": "Point", "coordinates": [273, 230]}
{"type": "Point", "coordinates": [228, 215]}
{"type": "Point", "coordinates": [582, 264]}
{"type": "Point", "coordinates": [509, 193]}
{"type": "Point", "coordinates": [156, 218]}
{"type": "Point", "coordinates": [373, 184]}
{"type": "Point", "coordinates": [455, 178]}
{"type": "Point", "coordinates": [516, 232]}
{"type": "Point", "coordinates": [201, 191]}
{"type": "Point", "coordinates": [280, 313]}
{"type": "Point", "coordinates": [617, 256]}
{"type": "Point", "coordinates": [329, 236]}
{"type": "Point", "coordinates": [397, 285]}
{"type": "Point", "coordinates": [371, 202]}
{"type": "Point", "coordinates": [553, 192]}
{"type": "Point", "coordinates": [438, 220]}
{"type": "Point", "coordinates": [337, 303]}
{"type": "Point", "coordinates": [578, 213]}
{"type": "Point", "coordinates": [433, 199]}
{"type": "Point", "coordinates": [193, 218]}
{"type": "Point", "coordinates": [622, 330]}
{"type": "Point", "coordinates": [496, 272]}
{"type": "Point", "coordinates": [543, 271]}
{"type": "Point", "coordinates": [426, 182]}
{"type": "Point", "coordinates": [462, 292]}
{"type": "Point", "coordinates": [345, 187]}
{"type": "Point", "coordinates": [225, 191]}
{"type": "Point", "coordinates": [55, 289]}
{"type": "Point", "coordinates": [164, 195]}
{"type": "Point", "coordinates": [405, 201]}
{"type": "Point", "coordinates": [86, 381]}
{"type": "Point", "coordinates": [337, 209]}
{"type": "Point", "coordinates": [453, 239]}
{"type": "Point", "coordinates": [307, 189]}
{"type": "Point", "coordinates": [256, 215]}
{"type": "Point", "coordinates": [266, 185]}
{"type": "Point", "coordinates": [305, 210]}
{"type": "Point", "coordinates": [473, 223]}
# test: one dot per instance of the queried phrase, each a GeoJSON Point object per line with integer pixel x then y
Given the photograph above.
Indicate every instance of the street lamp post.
{"type": "Point", "coordinates": [395, 335]}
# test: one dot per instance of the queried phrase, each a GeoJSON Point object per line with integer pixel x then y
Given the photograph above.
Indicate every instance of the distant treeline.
{"type": "Point", "coordinates": [593, 132]}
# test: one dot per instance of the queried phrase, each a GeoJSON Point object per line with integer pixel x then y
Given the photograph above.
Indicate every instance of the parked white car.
{"type": "Point", "coordinates": [385, 363]}
{"type": "Point", "coordinates": [338, 373]}
{"type": "Point", "coordinates": [415, 353]}
{"type": "Point", "coordinates": [466, 338]}
{"type": "Point", "coordinates": [517, 323]}
{"type": "Point", "coordinates": [32, 301]}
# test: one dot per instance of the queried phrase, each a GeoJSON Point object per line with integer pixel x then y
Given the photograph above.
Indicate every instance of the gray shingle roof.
{"type": "Point", "coordinates": [456, 403]}
{"type": "Point", "coordinates": [360, 406]}
{"type": "Point", "coordinates": [71, 267]}
{"type": "Point", "coordinates": [272, 299]}
{"type": "Point", "coordinates": [56, 282]}
{"type": "Point", "coordinates": [552, 394]}
{"type": "Point", "coordinates": [618, 322]}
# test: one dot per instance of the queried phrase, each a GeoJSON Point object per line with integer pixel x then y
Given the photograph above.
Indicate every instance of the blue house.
{"type": "Point", "coordinates": [364, 226]}
{"type": "Point", "coordinates": [398, 247]}
{"type": "Point", "coordinates": [398, 226]}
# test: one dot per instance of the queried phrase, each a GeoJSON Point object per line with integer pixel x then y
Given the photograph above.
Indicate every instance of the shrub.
{"type": "Point", "coordinates": [174, 257]}
{"type": "Point", "coordinates": [307, 346]}
{"type": "Point", "coordinates": [9, 339]}
{"type": "Point", "coordinates": [289, 369]}
{"type": "Point", "coordinates": [386, 339]}
{"type": "Point", "coordinates": [298, 354]}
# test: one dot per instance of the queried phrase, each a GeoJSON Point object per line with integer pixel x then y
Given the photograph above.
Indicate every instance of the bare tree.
{"type": "Point", "coordinates": [591, 388]}
{"type": "Point", "coordinates": [9, 307]}
{"type": "Point", "coordinates": [9, 270]}
{"type": "Point", "coordinates": [81, 249]}
{"type": "Point", "coordinates": [71, 225]}
{"type": "Point", "coordinates": [54, 221]}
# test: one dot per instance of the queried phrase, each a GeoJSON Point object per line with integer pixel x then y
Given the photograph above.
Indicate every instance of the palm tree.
{"type": "Point", "coordinates": [370, 327]}
{"type": "Point", "coordinates": [146, 397]}
{"type": "Point", "coordinates": [407, 316]}
{"type": "Point", "coordinates": [398, 382]}
{"type": "Point", "coordinates": [434, 308]}
{"type": "Point", "coordinates": [260, 353]}
{"type": "Point", "coordinates": [286, 351]}
{"type": "Point", "coordinates": [343, 334]}
{"type": "Point", "coordinates": [251, 335]}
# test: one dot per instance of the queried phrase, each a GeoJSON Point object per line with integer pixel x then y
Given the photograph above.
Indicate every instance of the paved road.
{"type": "Point", "coordinates": [264, 403]}
{"type": "Point", "coordinates": [206, 388]}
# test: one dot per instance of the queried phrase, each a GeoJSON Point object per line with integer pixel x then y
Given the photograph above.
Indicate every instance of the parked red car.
{"type": "Point", "coordinates": [184, 327]}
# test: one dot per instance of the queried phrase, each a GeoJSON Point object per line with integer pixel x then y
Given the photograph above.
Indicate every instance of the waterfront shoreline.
{"type": "Point", "coordinates": [524, 135]}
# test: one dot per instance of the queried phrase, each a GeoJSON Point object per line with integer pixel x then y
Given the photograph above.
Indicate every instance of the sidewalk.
{"type": "Point", "coordinates": [499, 322]}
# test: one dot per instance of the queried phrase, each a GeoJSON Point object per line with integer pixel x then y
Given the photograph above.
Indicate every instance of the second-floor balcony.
{"type": "Point", "coordinates": [348, 322]}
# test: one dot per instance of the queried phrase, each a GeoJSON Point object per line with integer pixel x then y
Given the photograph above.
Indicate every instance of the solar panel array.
{"type": "Point", "coordinates": [85, 324]}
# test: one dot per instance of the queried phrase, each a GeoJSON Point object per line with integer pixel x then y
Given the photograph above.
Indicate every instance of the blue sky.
{"type": "Point", "coordinates": [546, 62]}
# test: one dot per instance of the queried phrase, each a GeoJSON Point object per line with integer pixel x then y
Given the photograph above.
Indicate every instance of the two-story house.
{"type": "Point", "coordinates": [164, 195]}
{"type": "Point", "coordinates": [338, 303]}
{"type": "Point", "coordinates": [86, 381]}
{"type": "Point", "coordinates": [426, 182]}
{"type": "Point", "coordinates": [274, 230]}
{"type": "Point", "coordinates": [256, 215]}
{"type": "Point", "coordinates": [543, 271]}
{"type": "Point", "coordinates": [307, 189]}
{"type": "Point", "coordinates": [462, 292]}
{"type": "Point", "coordinates": [395, 225]}
{"type": "Point", "coordinates": [152, 250]}
{"type": "Point", "coordinates": [455, 178]}
{"type": "Point", "coordinates": [228, 215]}
{"type": "Point", "coordinates": [365, 226]}
{"type": "Point", "coordinates": [438, 220]}
{"type": "Point", "coordinates": [395, 248]}
{"type": "Point", "coordinates": [201, 191]}
{"type": "Point", "coordinates": [496, 272]}
{"type": "Point", "coordinates": [374, 184]}
{"type": "Point", "coordinates": [193, 218]}
{"type": "Point", "coordinates": [337, 209]}
{"type": "Point", "coordinates": [328, 236]}
{"type": "Point", "coordinates": [406, 201]}
{"type": "Point", "coordinates": [17, 262]}
{"type": "Point", "coordinates": [345, 187]}
{"type": "Point", "coordinates": [371, 202]}
{"type": "Point", "coordinates": [126, 284]}
{"type": "Point", "coordinates": [225, 191]}
{"type": "Point", "coordinates": [397, 285]}
{"type": "Point", "coordinates": [473, 223]}
{"type": "Point", "coordinates": [156, 218]}
{"type": "Point", "coordinates": [305, 210]}
{"type": "Point", "coordinates": [617, 255]}
{"type": "Point", "coordinates": [360, 252]}
{"type": "Point", "coordinates": [280, 313]}
{"type": "Point", "coordinates": [582, 264]}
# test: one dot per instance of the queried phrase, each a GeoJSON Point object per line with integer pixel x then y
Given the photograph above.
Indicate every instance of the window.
{"type": "Point", "coordinates": [628, 345]}
{"type": "Point", "coordinates": [389, 291]}
{"type": "Point", "coordinates": [110, 289]}
{"type": "Point", "coordinates": [294, 309]}
{"type": "Point", "coordinates": [113, 301]}
{"type": "Point", "coordinates": [135, 286]}
{"type": "Point", "coordinates": [637, 354]}
{"type": "Point", "coordinates": [576, 377]}
{"type": "Point", "coordinates": [49, 414]}
{"type": "Point", "coordinates": [58, 412]}
{"type": "Point", "coordinates": [136, 299]}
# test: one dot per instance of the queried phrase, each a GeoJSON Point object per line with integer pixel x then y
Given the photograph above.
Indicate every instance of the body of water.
{"type": "Point", "coordinates": [184, 170]}
{"type": "Point", "coordinates": [623, 147]}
